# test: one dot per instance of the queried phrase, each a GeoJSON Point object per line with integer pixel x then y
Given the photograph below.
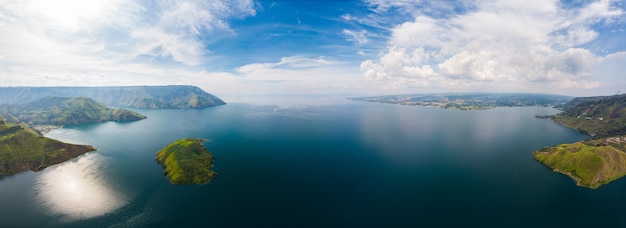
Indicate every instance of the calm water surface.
{"type": "Point", "coordinates": [346, 164]}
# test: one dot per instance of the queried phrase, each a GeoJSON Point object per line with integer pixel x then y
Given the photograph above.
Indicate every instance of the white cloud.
{"type": "Point", "coordinates": [498, 44]}
{"type": "Point", "coordinates": [398, 62]}
{"type": "Point", "coordinates": [479, 66]}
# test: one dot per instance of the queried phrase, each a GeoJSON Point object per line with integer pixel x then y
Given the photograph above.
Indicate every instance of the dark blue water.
{"type": "Point", "coordinates": [348, 164]}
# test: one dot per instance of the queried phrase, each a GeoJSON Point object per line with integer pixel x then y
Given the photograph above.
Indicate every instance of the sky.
{"type": "Point", "coordinates": [369, 47]}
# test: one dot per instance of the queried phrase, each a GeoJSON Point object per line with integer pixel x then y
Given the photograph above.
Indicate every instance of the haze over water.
{"type": "Point", "coordinates": [344, 164]}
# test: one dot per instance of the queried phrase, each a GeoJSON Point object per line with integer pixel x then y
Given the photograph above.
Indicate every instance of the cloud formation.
{"type": "Point", "coordinates": [110, 42]}
{"type": "Point", "coordinates": [373, 46]}
{"type": "Point", "coordinates": [498, 42]}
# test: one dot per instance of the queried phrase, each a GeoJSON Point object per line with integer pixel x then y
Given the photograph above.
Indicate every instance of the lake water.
{"type": "Point", "coordinates": [343, 164]}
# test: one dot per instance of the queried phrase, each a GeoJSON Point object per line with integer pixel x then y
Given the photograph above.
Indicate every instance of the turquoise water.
{"type": "Point", "coordinates": [345, 164]}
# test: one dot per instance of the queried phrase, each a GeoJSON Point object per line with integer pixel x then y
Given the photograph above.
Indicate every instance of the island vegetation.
{"type": "Point", "coordinates": [22, 149]}
{"type": "Point", "coordinates": [187, 161]}
{"type": "Point", "coordinates": [594, 162]}
{"type": "Point", "coordinates": [471, 101]}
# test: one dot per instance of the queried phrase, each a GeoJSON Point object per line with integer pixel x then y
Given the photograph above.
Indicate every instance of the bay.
{"type": "Point", "coordinates": [340, 164]}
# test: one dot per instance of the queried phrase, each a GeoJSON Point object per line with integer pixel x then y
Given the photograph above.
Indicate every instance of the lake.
{"type": "Point", "coordinates": [342, 164]}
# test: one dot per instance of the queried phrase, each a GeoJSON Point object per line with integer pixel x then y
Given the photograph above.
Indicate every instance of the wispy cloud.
{"type": "Point", "coordinates": [291, 62]}
{"type": "Point", "coordinates": [299, 74]}
{"type": "Point", "coordinates": [358, 37]}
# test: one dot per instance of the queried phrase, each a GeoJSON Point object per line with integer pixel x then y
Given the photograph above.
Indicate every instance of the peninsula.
{"type": "Point", "coordinates": [595, 162]}
{"type": "Point", "coordinates": [590, 163]}
{"type": "Point", "coordinates": [22, 149]}
{"type": "Point", "coordinates": [187, 161]}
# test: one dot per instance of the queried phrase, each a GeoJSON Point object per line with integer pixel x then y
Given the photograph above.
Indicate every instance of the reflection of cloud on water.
{"type": "Point", "coordinates": [77, 189]}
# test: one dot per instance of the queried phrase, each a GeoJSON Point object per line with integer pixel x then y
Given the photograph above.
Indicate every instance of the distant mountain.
{"type": "Point", "coordinates": [21, 149]}
{"type": "Point", "coordinates": [145, 97]}
{"type": "Point", "coordinates": [69, 111]}
{"type": "Point", "coordinates": [598, 116]}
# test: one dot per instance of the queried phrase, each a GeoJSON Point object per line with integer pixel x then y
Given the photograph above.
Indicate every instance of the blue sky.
{"type": "Point", "coordinates": [319, 47]}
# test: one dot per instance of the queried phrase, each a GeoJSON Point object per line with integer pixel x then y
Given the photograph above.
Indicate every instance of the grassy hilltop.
{"type": "Point", "coordinates": [186, 161]}
{"type": "Point", "coordinates": [589, 163]}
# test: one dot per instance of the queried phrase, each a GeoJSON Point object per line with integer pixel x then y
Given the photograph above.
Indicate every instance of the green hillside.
{"type": "Point", "coordinates": [596, 116]}
{"type": "Point", "coordinates": [22, 149]}
{"type": "Point", "coordinates": [70, 111]}
{"type": "Point", "coordinates": [186, 161]}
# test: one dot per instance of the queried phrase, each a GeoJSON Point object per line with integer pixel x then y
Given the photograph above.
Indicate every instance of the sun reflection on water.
{"type": "Point", "coordinates": [77, 189]}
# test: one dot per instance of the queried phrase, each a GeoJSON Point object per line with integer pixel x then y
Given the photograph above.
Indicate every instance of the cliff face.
{"type": "Point", "coordinates": [146, 97]}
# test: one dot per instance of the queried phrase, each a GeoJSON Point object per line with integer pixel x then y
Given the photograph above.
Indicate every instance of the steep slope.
{"type": "Point", "coordinates": [596, 116]}
{"type": "Point", "coordinates": [71, 111]}
{"type": "Point", "coordinates": [21, 149]}
{"type": "Point", "coordinates": [152, 97]}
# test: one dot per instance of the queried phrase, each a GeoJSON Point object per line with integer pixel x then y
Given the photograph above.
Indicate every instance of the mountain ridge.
{"type": "Point", "coordinates": [143, 97]}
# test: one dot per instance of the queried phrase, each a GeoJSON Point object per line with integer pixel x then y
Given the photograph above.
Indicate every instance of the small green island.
{"type": "Point", "coordinates": [187, 161]}
{"type": "Point", "coordinates": [591, 163]}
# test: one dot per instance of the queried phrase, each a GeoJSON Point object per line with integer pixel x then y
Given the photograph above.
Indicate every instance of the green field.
{"type": "Point", "coordinates": [187, 161]}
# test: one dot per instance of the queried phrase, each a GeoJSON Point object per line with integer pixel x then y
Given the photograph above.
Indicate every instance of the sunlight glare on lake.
{"type": "Point", "coordinates": [77, 189]}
